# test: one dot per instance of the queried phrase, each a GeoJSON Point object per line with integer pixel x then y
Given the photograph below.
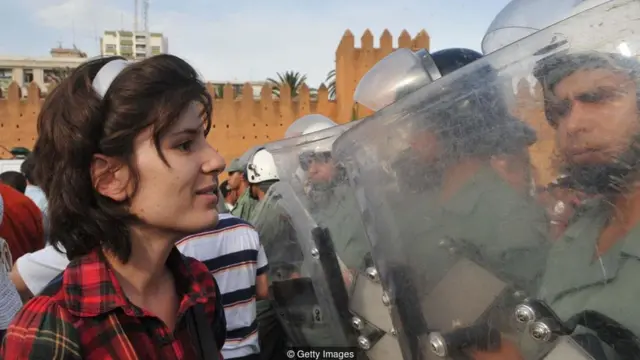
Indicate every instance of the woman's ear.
{"type": "Point", "coordinates": [110, 177]}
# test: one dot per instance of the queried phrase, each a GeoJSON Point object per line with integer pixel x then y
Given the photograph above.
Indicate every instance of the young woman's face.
{"type": "Point", "coordinates": [181, 197]}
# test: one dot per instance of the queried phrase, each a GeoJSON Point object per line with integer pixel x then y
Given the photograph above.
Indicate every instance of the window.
{"type": "Point", "coordinates": [27, 76]}
{"type": "Point", "coordinates": [6, 74]}
{"type": "Point", "coordinates": [110, 47]}
{"type": "Point", "coordinates": [126, 48]}
{"type": "Point", "coordinates": [237, 90]}
{"type": "Point", "coordinates": [141, 47]}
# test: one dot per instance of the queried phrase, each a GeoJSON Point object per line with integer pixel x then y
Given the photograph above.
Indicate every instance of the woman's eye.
{"type": "Point", "coordinates": [185, 146]}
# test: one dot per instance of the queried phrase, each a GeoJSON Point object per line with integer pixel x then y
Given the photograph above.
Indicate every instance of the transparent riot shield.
{"type": "Point", "coordinates": [335, 251]}
{"type": "Point", "coordinates": [462, 249]}
{"type": "Point", "coordinates": [301, 258]}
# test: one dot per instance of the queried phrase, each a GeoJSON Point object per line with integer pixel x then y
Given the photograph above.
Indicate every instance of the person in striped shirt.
{"type": "Point", "coordinates": [233, 254]}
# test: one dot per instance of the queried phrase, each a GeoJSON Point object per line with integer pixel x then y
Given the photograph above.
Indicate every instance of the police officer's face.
{"type": "Point", "coordinates": [235, 178]}
{"type": "Point", "coordinates": [254, 191]}
{"type": "Point", "coordinates": [596, 115]}
{"type": "Point", "coordinates": [321, 171]}
{"type": "Point", "coordinates": [425, 145]}
{"type": "Point", "coordinates": [319, 167]}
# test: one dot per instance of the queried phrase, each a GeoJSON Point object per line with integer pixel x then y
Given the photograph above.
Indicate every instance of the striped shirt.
{"type": "Point", "coordinates": [233, 254]}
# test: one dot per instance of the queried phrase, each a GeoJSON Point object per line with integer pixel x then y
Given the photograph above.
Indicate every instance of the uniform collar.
{"type": "Point", "coordinates": [595, 212]}
{"type": "Point", "coordinates": [91, 288]}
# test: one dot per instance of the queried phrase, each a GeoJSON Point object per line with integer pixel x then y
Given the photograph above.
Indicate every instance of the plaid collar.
{"type": "Point", "coordinates": [91, 288]}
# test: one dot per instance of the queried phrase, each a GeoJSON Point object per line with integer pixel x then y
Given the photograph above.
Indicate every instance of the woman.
{"type": "Point", "coordinates": [124, 162]}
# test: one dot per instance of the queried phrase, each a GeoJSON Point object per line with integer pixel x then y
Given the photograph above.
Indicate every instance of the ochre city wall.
{"type": "Point", "coordinates": [241, 122]}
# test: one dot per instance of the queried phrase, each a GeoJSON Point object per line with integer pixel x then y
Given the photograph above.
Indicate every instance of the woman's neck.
{"type": "Point", "coordinates": [145, 271]}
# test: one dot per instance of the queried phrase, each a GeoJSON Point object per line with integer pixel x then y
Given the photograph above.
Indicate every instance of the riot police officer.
{"type": "Point", "coordinates": [278, 239]}
{"type": "Point", "coordinates": [307, 290]}
{"type": "Point", "coordinates": [572, 315]}
{"type": "Point", "coordinates": [586, 93]}
{"type": "Point", "coordinates": [237, 170]}
{"type": "Point", "coordinates": [470, 155]}
{"type": "Point", "coordinates": [591, 100]}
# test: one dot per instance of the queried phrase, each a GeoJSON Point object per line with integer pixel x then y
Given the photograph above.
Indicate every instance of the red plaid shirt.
{"type": "Point", "coordinates": [86, 315]}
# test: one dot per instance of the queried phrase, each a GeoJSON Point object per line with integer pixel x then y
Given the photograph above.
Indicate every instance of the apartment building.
{"type": "Point", "coordinates": [133, 45]}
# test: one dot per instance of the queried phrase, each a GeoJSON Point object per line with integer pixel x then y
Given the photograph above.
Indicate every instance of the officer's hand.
{"type": "Point", "coordinates": [347, 276]}
{"type": "Point", "coordinates": [508, 351]}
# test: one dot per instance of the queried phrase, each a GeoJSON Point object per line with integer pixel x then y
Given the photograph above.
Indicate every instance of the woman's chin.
{"type": "Point", "coordinates": [202, 222]}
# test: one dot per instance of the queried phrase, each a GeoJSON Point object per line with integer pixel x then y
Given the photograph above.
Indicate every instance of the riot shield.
{"type": "Point", "coordinates": [460, 245]}
{"type": "Point", "coordinates": [335, 256]}
{"type": "Point", "coordinates": [299, 264]}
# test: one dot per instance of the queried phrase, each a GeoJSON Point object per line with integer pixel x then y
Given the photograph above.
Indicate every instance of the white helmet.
{"type": "Point", "coordinates": [262, 167]}
{"type": "Point", "coordinates": [308, 124]}
{"type": "Point", "coordinates": [318, 127]}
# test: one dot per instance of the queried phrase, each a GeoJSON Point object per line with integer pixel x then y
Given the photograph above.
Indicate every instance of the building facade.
{"type": "Point", "coordinates": [41, 70]}
{"type": "Point", "coordinates": [256, 86]}
{"type": "Point", "coordinates": [133, 45]}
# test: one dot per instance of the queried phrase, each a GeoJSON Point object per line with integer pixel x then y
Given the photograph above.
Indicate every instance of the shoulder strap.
{"type": "Point", "coordinates": [206, 344]}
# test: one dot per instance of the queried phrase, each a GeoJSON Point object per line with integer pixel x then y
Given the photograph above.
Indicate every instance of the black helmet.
{"type": "Point", "coordinates": [478, 121]}
{"type": "Point", "coordinates": [438, 64]}
{"type": "Point", "coordinates": [450, 60]}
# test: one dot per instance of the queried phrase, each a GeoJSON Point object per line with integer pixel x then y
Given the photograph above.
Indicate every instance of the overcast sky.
{"type": "Point", "coordinates": [245, 40]}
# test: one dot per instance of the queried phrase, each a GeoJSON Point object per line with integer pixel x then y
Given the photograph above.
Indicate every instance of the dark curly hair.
{"type": "Point", "coordinates": [75, 124]}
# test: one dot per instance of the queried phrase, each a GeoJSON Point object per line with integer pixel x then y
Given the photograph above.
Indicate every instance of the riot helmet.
{"type": "Point", "coordinates": [308, 124]}
{"type": "Point", "coordinates": [476, 125]}
{"type": "Point", "coordinates": [521, 18]}
{"type": "Point", "coordinates": [262, 167]}
{"type": "Point", "coordinates": [404, 71]}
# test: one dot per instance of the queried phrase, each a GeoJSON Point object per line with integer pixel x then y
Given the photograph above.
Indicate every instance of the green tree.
{"type": "Point", "coordinates": [331, 84]}
{"type": "Point", "coordinates": [354, 112]}
{"type": "Point", "coordinates": [218, 91]}
{"type": "Point", "coordinates": [292, 78]}
{"type": "Point", "coordinates": [58, 74]}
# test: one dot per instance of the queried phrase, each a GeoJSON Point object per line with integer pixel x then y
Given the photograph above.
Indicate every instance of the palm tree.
{"type": "Point", "coordinates": [331, 84]}
{"type": "Point", "coordinates": [354, 112]}
{"type": "Point", "coordinates": [293, 78]}
{"type": "Point", "coordinates": [218, 91]}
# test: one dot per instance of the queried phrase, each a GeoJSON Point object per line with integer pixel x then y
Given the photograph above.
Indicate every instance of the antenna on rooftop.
{"type": "Point", "coordinates": [73, 32]}
{"type": "Point", "coordinates": [145, 19]}
{"type": "Point", "coordinates": [136, 5]}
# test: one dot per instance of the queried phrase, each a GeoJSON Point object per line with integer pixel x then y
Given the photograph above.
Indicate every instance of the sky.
{"type": "Point", "coordinates": [244, 40]}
